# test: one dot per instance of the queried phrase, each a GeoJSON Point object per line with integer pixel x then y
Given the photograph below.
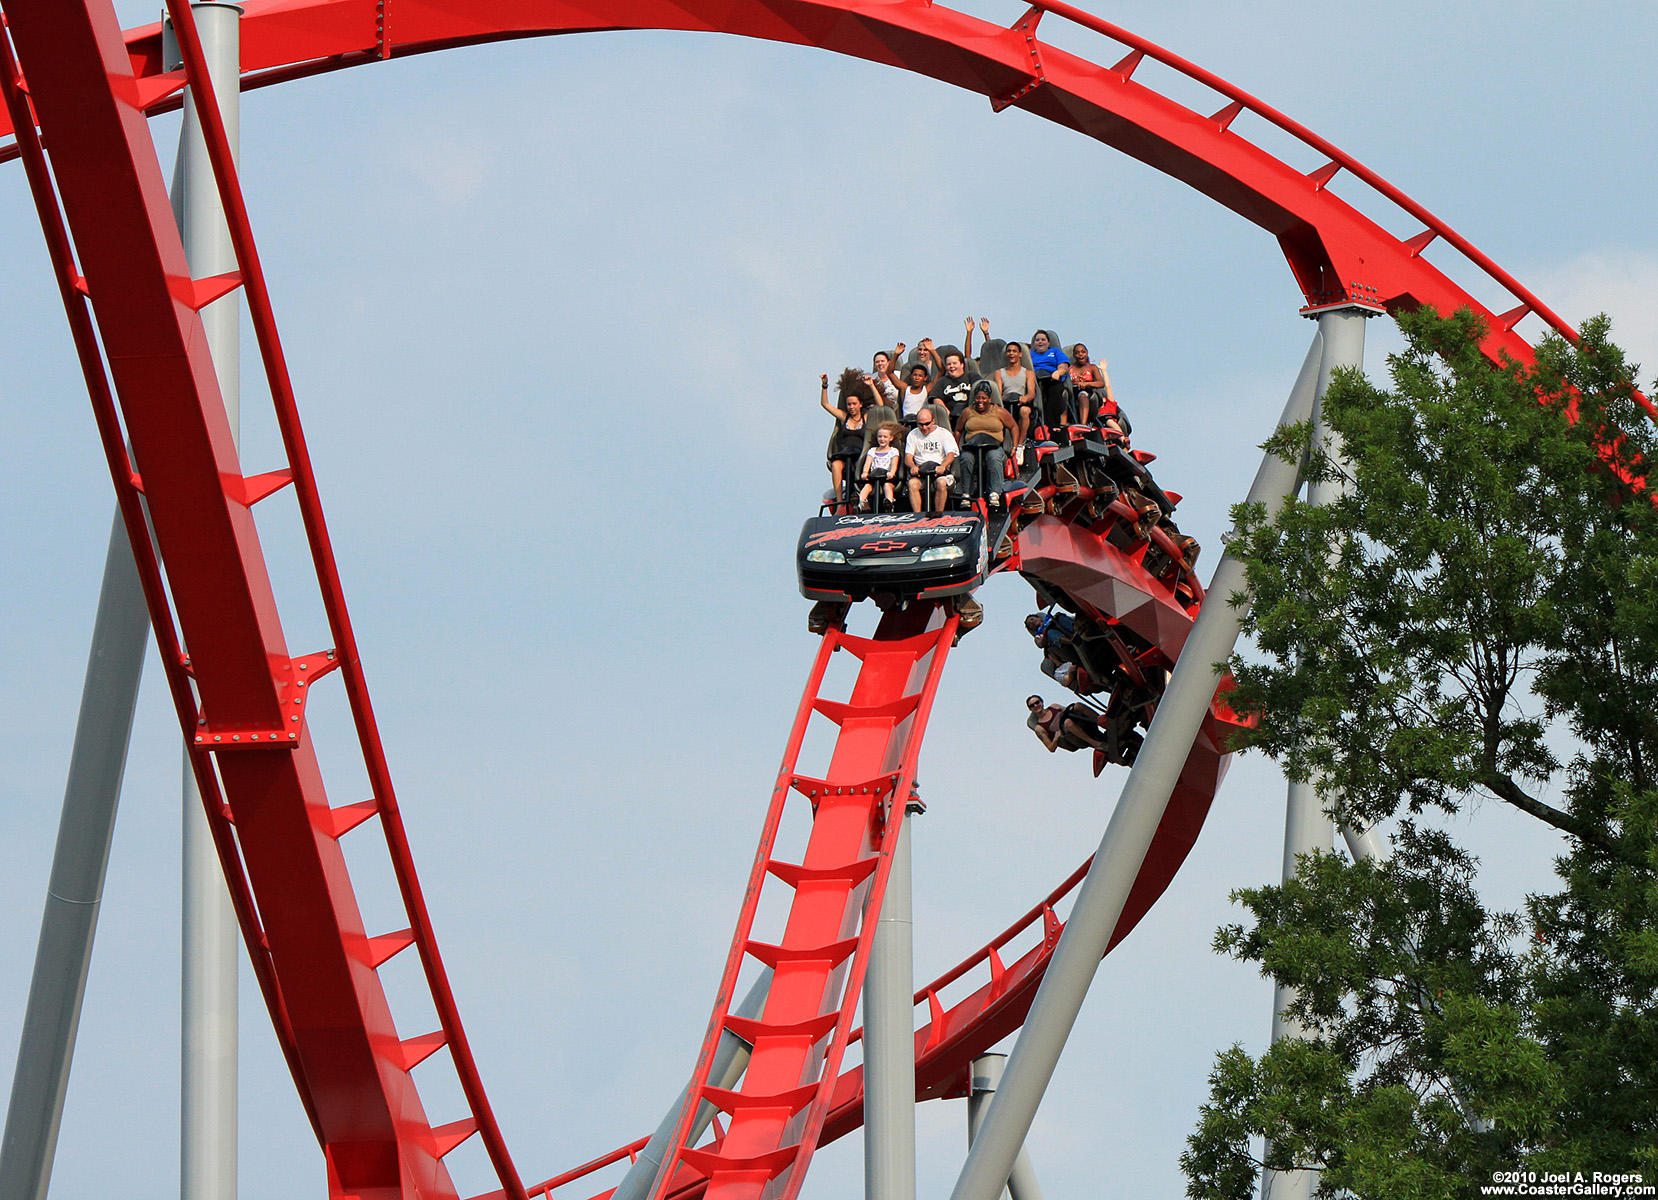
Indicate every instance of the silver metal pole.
{"type": "Point", "coordinates": [730, 1061]}
{"type": "Point", "coordinates": [1099, 902]}
{"type": "Point", "coordinates": [986, 1077]}
{"type": "Point", "coordinates": [208, 1027]}
{"type": "Point", "coordinates": [1307, 827]}
{"type": "Point", "coordinates": [108, 698]}
{"type": "Point", "coordinates": [1363, 844]}
{"type": "Point", "coordinates": [889, 1039]}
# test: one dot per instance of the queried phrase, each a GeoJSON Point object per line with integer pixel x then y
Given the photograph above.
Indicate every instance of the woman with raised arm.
{"type": "Point", "coordinates": [847, 443]}
{"type": "Point", "coordinates": [1093, 385]}
{"type": "Point", "coordinates": [883, 378]}
{"type": "Point", "coordinates": [916, 391]}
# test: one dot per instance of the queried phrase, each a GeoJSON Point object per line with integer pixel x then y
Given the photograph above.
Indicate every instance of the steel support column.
{"type": "Point", "coordinates": [1307, 827]}
{"type": "Point", "coordinates": [986, 1077]}
{"type": "Point", "coordinates": [889, 1039]}
{"type": "Point", "coordinates": [210, 935]}
{"type": "Point", "coordinates": [1099, 902]}
{"type": "Point", "coordinates": [109, 697]}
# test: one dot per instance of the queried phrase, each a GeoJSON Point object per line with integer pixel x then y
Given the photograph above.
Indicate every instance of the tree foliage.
{"type": "Point", "coordinates": [1474, 619]}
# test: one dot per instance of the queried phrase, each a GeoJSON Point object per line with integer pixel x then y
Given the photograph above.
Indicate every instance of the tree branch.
{"type": "Point", "coordinates": [1505, 789]}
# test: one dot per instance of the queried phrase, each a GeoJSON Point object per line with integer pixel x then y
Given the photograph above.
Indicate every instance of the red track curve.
{"type": "Point", "coordinates": [90, 86]}
{"type": "Point", "coordinates": [1336, 252]}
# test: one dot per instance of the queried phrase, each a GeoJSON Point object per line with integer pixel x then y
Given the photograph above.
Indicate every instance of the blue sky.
{"type": "Point", "coordinates": [555, 311]}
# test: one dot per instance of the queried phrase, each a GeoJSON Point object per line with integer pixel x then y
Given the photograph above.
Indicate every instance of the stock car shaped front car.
{"type": "Point", "coordinates": [891, 556]}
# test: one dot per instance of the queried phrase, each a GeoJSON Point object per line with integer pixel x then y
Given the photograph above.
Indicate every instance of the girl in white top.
{"type": "Point", "coordinates": [883, 456]}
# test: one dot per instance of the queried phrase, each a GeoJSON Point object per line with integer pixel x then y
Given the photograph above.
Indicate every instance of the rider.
{"type": "Point", "coordinates": [1051, 367]}
{"type": "Point", "coordinates": [928, 445]}
{"type": "Point", "coordinates": [953, 386]}
{"type": "Point", "coordinates": [1067, 727]}
{"type": "Point", "coordinates": [985, 416]}
{"type": "Point", "coordinates": [883, 456]}
{"type": "Point", "coordinates": [914, 398]}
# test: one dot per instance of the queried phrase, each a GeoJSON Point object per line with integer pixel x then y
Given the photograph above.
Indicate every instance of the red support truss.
{"type": "Point", "coordinates": [1336, 253]}
{"type": "Point", "coordinates": [239, 692]}
{"type": "Point", "coordinates": [857, 807]}
{"type": "Point", "coordinates": [1108, 583]}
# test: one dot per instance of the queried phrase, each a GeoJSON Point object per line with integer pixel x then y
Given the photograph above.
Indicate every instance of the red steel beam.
{"type": "Point", "coordinates": [90, 90]}
{"type": "Point", "coordinates": [1335, 252]}
{"type": "Point", "coordinates": [376, 1137]}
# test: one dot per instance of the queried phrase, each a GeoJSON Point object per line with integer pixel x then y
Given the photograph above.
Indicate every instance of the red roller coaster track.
{"type": "Point", "coordinates": [74, 83]}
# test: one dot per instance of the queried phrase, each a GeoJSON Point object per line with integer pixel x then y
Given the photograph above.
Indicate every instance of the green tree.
{"type": "Point", "coordinates": [1476, 619]}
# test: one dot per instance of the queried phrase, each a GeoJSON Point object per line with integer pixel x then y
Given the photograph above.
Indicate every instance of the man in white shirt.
{"type": "Point", "coordinates": [929, 445]}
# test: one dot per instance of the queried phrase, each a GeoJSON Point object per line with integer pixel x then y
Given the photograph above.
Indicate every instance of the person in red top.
{"type": "Point", "coordinates": [1094, 395]}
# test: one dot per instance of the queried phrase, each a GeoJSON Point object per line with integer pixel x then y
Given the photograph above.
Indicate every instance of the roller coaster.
{"type": "Point", "coordinates": [78, 90]}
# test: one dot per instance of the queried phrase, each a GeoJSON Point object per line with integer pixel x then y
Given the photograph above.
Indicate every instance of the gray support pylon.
{"type": "Point", "coordinates": [108, 699]}
{"type": "Point", "coordinates": [730, 1061]}
{"type": "Point", "coordinates": [984, 1079]}
{"type": "Point", "coordinates": [1343, 331]}
{"type": "Point", "coordinates": [1307, 826]}
{"type": "Point", "coordinates": [889, 1038]}
{"type": "Point", "coordinates": [208, 1025]}
{"type": "Point", "coordinates": [1099, 902]}
{"type": "Point", "coordinates": [1363, 844]}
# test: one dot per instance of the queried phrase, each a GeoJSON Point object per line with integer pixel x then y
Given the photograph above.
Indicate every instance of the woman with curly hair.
{"type": "Point", "coordinates": [846, 444]}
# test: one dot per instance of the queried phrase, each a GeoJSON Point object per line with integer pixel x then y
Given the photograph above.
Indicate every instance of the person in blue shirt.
{"type": "Point", "coordinates": [1052, 368]}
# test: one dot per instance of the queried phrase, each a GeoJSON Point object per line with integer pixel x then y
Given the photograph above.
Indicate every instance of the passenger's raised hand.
{"type": "Point", "coordinates": [824, 379]}
{"type": "Point", "coordinates": [984, 326]}
{"type": "Point", "coordinates": [969, 323]}
{"type": "Point", "coordinates": [900, 348]}
{"type": "Point", "coordinates": [925, 344]}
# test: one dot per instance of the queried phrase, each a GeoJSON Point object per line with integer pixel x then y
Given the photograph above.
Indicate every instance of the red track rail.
{"type": "Point", "coordinates": [1335, 252]}
{"type": "Point", "coordinates": [1108, 583]}
{"type": "Point", "coordinates": [778, 1112]}
{"type": "Point", "coordinates": [275, 831]}
{"type": "Point", "coordinates": [89, 88]}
